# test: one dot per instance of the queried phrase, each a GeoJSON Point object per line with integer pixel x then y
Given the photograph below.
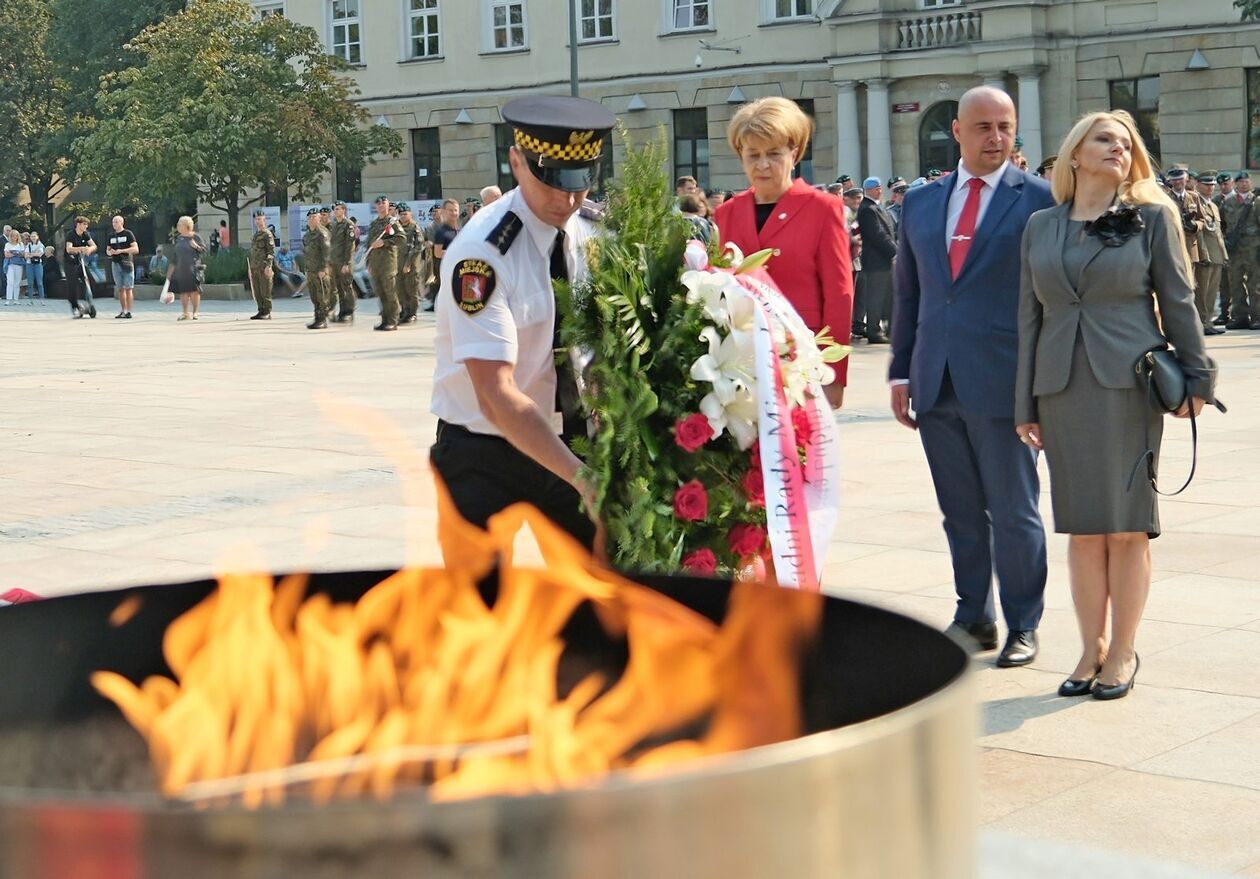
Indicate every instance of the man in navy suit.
{"type": "Point", "coordinates": [954, 341]}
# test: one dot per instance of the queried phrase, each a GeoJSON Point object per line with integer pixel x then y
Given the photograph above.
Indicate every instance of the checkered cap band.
{"type": "Point", "coordinates": [587, 151]}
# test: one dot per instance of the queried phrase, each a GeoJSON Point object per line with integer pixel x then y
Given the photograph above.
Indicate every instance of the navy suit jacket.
{"type": "Point", "coordinates": [969, 324]}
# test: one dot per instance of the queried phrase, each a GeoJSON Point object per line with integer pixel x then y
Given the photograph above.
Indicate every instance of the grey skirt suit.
{"type": "Point", "coordinates": [1087, 313]}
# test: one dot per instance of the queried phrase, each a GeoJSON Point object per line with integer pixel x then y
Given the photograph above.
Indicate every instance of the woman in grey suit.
{"type": "Point", "coordinates": [1094, 269]}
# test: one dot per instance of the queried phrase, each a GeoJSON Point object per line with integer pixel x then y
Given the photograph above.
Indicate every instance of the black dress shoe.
{"type": "Point", "coordinates": [1238, 325]}
{"type": "Point", "coordinates": [261, 316]}
{"type": "Point", "coordinates": [1073, 687]}
{"type": "Point", "coordinates": [1210, 330]}
{"type": "Point", "coordinates": [384, 327]}
{"type": "Point", "coordinates": [408, 318]}
{"type": "Point", "coordinates": [92, 311]}
{"type": "Point", "coordinates": [1020, 649]}
{"type": "Point", "coordinates": [318, 324]}
{"type": "Point", "coordinates": [974, 636]}
{"type": "Point", "coordinates": [344, 318]}
{"type": "Point", "coordinates": [1221, 321]}
{"type": "Point", "coordinates": [428, 305]}
{"type": "Point", "coordinates": [877, 339]}
{"type": "Point", "coordinates": [1118, 691]}
{"type": "Point", "coordinates": [1255, 325]}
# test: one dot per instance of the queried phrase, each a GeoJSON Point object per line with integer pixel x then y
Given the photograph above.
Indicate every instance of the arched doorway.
{"type": "Point", "coordinates": [937, 147]}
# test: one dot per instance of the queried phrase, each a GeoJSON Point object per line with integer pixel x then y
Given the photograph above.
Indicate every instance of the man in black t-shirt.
{"type": "Point", "coordinates": [79, 246]}
{"type": "Point", "coordinates": [442, 234]}
{"type": "Point", "coordinates": [122, 249]}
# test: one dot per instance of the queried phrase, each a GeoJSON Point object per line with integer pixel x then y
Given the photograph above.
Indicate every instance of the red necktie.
{"type": "Point", "coordinates": [960, 243]}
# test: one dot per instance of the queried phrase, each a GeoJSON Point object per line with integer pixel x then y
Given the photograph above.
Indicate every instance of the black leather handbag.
{"type": "Point", "coordinates": [1160, 378]}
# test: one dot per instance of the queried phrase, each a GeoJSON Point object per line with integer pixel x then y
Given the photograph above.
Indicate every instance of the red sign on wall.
{"type": "Point", "coordinates": [906, 108]}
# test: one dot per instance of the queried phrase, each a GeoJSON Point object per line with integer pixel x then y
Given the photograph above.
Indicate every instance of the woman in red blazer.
{"type": "Point", "coordinates": [803, 226]}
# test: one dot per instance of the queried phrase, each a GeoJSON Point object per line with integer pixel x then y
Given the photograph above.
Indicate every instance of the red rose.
{"type": "Point", "coordinates": [691, 502]}
{"type": "Point", "coordinates": [692, 432]}
{"type": "Point", "coordinates": [803, 425]}
{"type": "Point", "coordinates": [754, 455]}
{"type": "Point", "coordinates": [754, 487]}
{"type": "Point", "coordinates": [746, 540]}
{"type": "Point", "coordinates": [702, 562]}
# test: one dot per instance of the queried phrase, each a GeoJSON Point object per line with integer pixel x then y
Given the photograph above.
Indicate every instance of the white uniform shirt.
{"type": "Point", "coordinates": [516, 321]}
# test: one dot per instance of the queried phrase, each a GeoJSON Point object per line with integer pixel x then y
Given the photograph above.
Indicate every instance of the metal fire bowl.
{"type": "Point", "coordinates": [881, 787]}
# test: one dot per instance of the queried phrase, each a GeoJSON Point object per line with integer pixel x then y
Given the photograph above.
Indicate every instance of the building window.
{"type": "Point", "coordinates": [349, 183]}
{"type": "Point", "coordinates": [426, 162]}
{"type": "Point", "coordinates": [595, 21]}
{"type": "Point", "coordinates": [1140, 98]}
{"type": "Point", "coordinates": [937, 147]}
{"type": "Point", "coordinates": [507, 26]}
{"type": "Point", "coordinates": [690, 14]}
{"type": "Point", "coordinates": [937, 4]}
{"type": "Point", "coordinates": [503, 141]}
{"type": "Point", "coordinates": [1253, 118]}
{"type": "Point", "coordinates": [423, 29]}
{"type": "Point", "coordinates": [691, 145]}
{"type": "Point", "coordinates": [276, 195]}
{"type": "Point", "coordinates": [805, 164]}
{"type": "Point", "coordinates": [273, 8]}
{"type": "Point", "coordinates": [793, 9]}
{"type": "Point", "coordinates": [347, 42]}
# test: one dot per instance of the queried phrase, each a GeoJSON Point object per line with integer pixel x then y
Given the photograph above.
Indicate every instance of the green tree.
{"type": "Point", "coordinates": [223, 103]}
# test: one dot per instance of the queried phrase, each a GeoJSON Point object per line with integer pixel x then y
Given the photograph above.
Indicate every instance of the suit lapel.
{"type": "Point", "coordinates": [937, 211]}
{"type": "Point", "coordinates": [785, 211]}
{"type": "Point", "coordinates": [1055, 252]}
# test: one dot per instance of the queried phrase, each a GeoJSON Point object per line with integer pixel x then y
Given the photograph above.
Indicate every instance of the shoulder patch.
{"type": "Point", "coordinates": [472, 283]}
{"type": "Point", "coordinates": [505, 232]}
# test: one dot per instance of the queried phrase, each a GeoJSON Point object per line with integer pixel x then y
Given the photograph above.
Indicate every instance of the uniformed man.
{"type": "Point", "coordinates": [1207, 271]}
{"type": "Point", "coordinates": [261, 262]}
{"type": "Point", "coordinates": [1242, 238]}
{"type": "Point", "coordinates": [1190, 206]}
{"type": "Point", "coordinates": [342, 235]}
{"type": "Point", "coordinates": [498, 392]}
{"type": "Point", "coordinates": [1224, 192]}
{"type": "Point", "coordinates": [410, 255]}
{"type": "Point", "coordinates": [315, 251]}
{"type": "Point", "coordinates": [899, 191]}
{"type": "Point", "coordinates": [325, 216]}
{"type": "Point", "coordinates": [382, 262]}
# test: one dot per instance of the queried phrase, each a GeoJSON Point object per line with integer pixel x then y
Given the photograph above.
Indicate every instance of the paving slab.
{"type": "Point", "coordinates": [141, 451]}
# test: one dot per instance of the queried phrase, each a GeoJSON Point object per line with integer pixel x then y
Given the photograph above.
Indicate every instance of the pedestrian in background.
{"type": "Point", "coordinates": [122, 249]}
{"type": "Point", "coordinates": [1094, 269]}
{"type": "Point", "coordinates": [262, 255]}
{"type": "Point", "coordinates": [35, 268]}
{"type": "Point", "coordinates": [879, 249]}
{"type": "Point", "coordinates": [1207, 271]}
{"type": "Point", "coordinates": [187, 269]}
{"type": "Point", "coordinates": [80, 247]}
{"type": "Point", "coordinates": [14, 262]}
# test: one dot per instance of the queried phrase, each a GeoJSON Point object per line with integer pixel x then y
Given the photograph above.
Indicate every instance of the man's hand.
{"type": "Point", "coordinates": [834, 394]}
{"type": "Point", "coordinates": [901, 405]}
{"type": "Point", "coordinates": [267, 272]}
{"type": "Point", "coordinates": [376, 244]}
{"type": "Point", "coordinates": [406, 270]}
{"type": "Point", "coordinates": [323, 274]}
{"type": "Point", "coordinates": [1030, 435]}
{"type": "Point", "coordinates": [345, 270]}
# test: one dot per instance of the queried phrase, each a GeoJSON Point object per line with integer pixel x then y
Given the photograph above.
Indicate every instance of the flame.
{"type": "Point", "coordinates": [421, 682]}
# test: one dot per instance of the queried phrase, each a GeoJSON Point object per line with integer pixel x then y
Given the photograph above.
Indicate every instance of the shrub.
{"type": "Point", "coordinates": [227, 266]}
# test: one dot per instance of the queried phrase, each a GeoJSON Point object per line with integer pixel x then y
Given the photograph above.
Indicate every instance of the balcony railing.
{"type": "Point", "coordinates": [933, 31]}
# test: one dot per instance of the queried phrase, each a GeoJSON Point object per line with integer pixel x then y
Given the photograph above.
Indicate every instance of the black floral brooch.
{"type": "Point", "coordinates": [1116, 225]}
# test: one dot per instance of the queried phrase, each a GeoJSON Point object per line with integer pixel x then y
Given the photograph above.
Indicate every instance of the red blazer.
{"type": "Point", "coordinates": [811, 255]}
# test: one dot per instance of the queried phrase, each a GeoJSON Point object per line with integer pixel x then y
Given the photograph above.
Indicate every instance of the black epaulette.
{"type": "Point", "coordinates": [502, 235]}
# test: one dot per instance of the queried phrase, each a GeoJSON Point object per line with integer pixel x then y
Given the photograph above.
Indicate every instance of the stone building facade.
{"type": "Point", "coordinates": [880, 77]}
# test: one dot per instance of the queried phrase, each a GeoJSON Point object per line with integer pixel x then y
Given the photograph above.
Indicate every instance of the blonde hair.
{"type": "Point", "coordinates": [1139, 188]}
{"type": "Point", "coordinates": [184, 224]}
{"type": "Point", "coordinates": [773, 120]}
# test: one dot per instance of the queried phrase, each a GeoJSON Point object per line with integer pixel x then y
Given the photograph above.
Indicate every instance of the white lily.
{"type": "Point", "coordinates": [738, 415]}
{"type": "Point", "coordinates": [728, 367]}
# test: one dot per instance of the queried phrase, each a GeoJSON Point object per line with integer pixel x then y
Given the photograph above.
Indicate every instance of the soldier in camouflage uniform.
{"type": "Point", "coordinates": [342, 230]}
{"type": "Point", "coordinates": [410, 254]}
{"type": "Point", "coordinates": [262, 258]}
{"type": "Point", "coordinates": [1242, 239]}
{"type": "Point", "coordinates": [315, 251]}
{"type": "Point", "coordinates": [384, 243]}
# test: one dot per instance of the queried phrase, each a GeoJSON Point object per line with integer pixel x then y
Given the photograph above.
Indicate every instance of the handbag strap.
{"type": "Point", "coordinates": [1148, 457]}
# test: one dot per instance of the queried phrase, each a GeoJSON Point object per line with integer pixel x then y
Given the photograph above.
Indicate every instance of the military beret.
{"type": "Point", "coordinates": [403, 207]}
{"type": "Point", "coordinates": [893, 181]}
{"type": "Point", "coordinates": [381, 198]}
{"type": "Point", "coordinates": [339, 204]}
{"type": "Point", "coordinates": [843, 178]}
{"type": "Point", "coordinates": [934, 172]}
{"type": "Point", "coordinates": [1242, 175]}
{"type": "Point", "coordinates": [1019, 142]}
{"type": "Point", "coordinates": [313, 212]}
{"type": "Point", "coordinates": [260, 213]}
{"type": "Point", "coordinates": [1223, 176]}
{"type": "Point", "coordinates": [325, 209]}
{"type": "Point", "coordinates": [563, 137]}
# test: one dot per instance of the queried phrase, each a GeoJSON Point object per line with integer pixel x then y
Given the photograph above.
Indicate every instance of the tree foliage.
{"type": "Point", "coordinates": [221, 103]}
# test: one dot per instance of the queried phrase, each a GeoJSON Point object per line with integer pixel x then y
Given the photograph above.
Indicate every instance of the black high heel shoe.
{"type": "Point", "coordinates": [1119, 691]}
{"type": "Point", "coordinates": [1073, 687]}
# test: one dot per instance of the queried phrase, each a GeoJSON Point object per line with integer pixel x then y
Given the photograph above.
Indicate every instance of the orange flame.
{"type": "Point", "coordinates": [420, 682]}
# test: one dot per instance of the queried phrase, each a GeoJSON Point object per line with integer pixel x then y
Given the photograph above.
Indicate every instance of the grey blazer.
{"type": "Point", "coordinates": [1114, 308]}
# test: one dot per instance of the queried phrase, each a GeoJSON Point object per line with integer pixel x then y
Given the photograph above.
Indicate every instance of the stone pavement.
{"type": "Point", "coordinates": [140, 451]}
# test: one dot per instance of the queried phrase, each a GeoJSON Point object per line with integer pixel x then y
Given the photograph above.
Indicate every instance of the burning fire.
{"type": "Point", "coordinates": [422, 683]}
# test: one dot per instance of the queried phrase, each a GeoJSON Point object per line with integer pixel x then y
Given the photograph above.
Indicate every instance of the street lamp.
{"type": "Point", "coordinates": [573, 47]}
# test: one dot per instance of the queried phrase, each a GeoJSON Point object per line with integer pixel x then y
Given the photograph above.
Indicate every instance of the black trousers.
{"type": "Point", "coordinates": [486, 474]}
{"type": "Point", "coordinates": [76, 286]}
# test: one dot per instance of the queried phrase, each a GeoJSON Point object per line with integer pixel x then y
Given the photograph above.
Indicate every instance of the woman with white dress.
{"type": "Point", "coordinates": [14, 262]}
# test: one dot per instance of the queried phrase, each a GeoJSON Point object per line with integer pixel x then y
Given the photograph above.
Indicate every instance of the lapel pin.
{"type": "Point", "coordinates": [783, 216]}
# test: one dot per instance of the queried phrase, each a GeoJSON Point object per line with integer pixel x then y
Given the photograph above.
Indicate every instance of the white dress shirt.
{"type": "Point", "coordinates": [958, 198]}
